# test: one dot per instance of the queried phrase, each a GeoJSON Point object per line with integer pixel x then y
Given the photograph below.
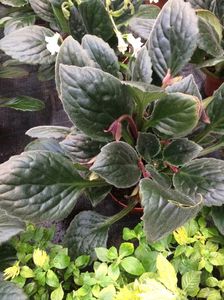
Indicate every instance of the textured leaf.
{"type": "Point", "coordinates": [28, 45]}
{"type": "Point", "coordinates": [217, 214]}
{"type": "Point", "coordinates": [24, 103]}
{"type": "Point", "coordinates": [212, 20]}
{"type": "Point", "coordinates": [80, 147]}
{"type": "Point", "coordinates": [144, 93]}
{"type": "Point", "coordinates": [141, 27]}
{"type": "Point", "coordinates": [160, 178]}
{"type": "Point", "coordinates": [46, 72]}
{"type": "Point", "coordinates": [76, 24]}
{"type": "Point", "coordinates": [14, 3]}
{"type": "Point", "coordinates": [39, 185]}
{"type": "Point", "coordinates": [45, 144]}
{"type": "Point", "coordinates": [148, 145]}
{"type": "Point", "coordinates": [10, 291]}
{"type": "Point", "coordinates": [93, 99]}
{"type": "Point", "coordinates": [12, 72]}
{"type": "Point", "coordinates": [216, 112]}
{"type": "Point", "coordinates": [101, 53]}
{"type": "Point", "coordinates": [43, 9]}
{"type": "Point", "coordinates": [202, 176]}
{"type": "Point", "coordinates": [96, 19]}
{"type": "Point", "coordinates": [87, 231]}
{"type": "Point", "coordinates": [143, 67]}
{"type": "Point", "coordinates": [175, 114]}
{"type": "Point", "coordinates": [117, 163]}
{"type": "Point", "coordinates": [208, 39]}
{"type": "Point", "coordinates": [172, 41]}
{"type": "Point", "coordinates": [165, 210]}
{"type": "Point", "coordinates": [96, 195]}
{"type": "Point", "coordinates": [71, 53]}
{"type": "Point", "coordinates": [18, 22]}
{"type": "Point", "coordinates": [9, 226]}
{"type": "Point", "coordinates": [167, 274]}
{"type": "Point", "coordinates": [190, 282]}
{"type": "Point", "coordinates": [187, 86]}
{"type": "Point", "coordinates": [181, 151]}
{"type": "Point", "coordinates": [49, 132]}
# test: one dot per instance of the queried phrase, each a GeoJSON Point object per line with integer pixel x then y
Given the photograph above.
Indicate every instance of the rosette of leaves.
{"type": "Point", "coordinates": [210, 52]}
{"type": "Point", "coordinates": [159, 135]}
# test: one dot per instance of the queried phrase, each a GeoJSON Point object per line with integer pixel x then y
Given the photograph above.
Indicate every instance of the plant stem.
{"type": "Point", "coordinates": [60, 18]}
{"type": "Point", "coordinates": [202, 135]}
{"type": "Point", "coordinates": [211, 149]}
{"type": "Point", "coordinates": [132, 125]}
{"type": "Point", "coordinates": [121, 214]}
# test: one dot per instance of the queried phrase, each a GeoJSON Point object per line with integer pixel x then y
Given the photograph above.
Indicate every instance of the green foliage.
{"type": "Point", "coordinates": [131, 132]}
{"type": "Point", "coordinates": [194, 253]}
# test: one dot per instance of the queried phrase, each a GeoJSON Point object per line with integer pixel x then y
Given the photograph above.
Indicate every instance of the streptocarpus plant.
{"type": "Point", "coordinates": [160, 134]}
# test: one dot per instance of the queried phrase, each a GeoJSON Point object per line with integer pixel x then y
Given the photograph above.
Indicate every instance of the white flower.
{"type": "Point", "coordinates": [52, 43]}
{"type": "Point", "coordinates": [153, 1]}
{"type": "Point", "coordinates": [135, 43]}
{"type": "Point", "coordinates": [122, 46]}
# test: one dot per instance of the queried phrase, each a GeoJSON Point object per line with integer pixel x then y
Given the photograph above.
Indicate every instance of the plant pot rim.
{"type": "Point", "coordinates": [122, 204]}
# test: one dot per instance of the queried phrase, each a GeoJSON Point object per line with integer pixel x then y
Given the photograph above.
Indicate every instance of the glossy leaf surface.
{"type": "Point", "coordinates": [117, 163]}
{"type": "Point", "coordinates": [93, 99]}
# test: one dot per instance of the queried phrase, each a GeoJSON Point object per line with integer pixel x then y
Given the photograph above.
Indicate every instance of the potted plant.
{"type": "Point", "coordinates": [210, 53]}
{"type": "Point", "coordinates": [128, 135]}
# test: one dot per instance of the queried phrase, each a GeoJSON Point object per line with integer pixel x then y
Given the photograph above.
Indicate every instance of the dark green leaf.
{"type": "Point", "coordinates": [93, 99]}
{"type": "Point", "coordinates": [190, 282]}
{"type": "Point", "coordinates": [217, 214]}
{"type": "Point", "coordinates": [148, 145]}
{"type": "Point", "coordinates": [80, 147]}
{"type": "Point", "coordinates": [141, 27]}
{"type": "Point", "coordinates": [71, 53]}
{"type": "Point", "coordinates": [175, 115]}
{"type": "Point", "coordinates": [43, 9]}
{"type": "Point", "coordinates": [39, 185]}
{"type": "Point", "coordinates": [216, 112]}
{"type": "Point", "coordinates": [7, 256]}
{"type": "Point", "coordinates": [56, 132]}
{"type": "Point", "coordinates": [15, 3]}
{"type": "Point", "coordinates": [181, 151]}
{"type": "Point", "coordinates": [12, 72]}
{"type": "Point", "coordinates": [132, 266]}
{"type": "Point", "coordinates": [28, 45]}
{"type": "Point", "coordinates": [172, 41]}
{"type": "Point", "coordinates": [96, 195]}
{"type": "Point", "coordinates": [10, 291]}
{"type": "Point", "coordinates": [117, 163]}
{"type": "Point", "coordinates": [159, 177]}
{"type": "Point", "coordinates": [46, 72]}
{"type": "Point", "coordinates": [24, 103]}
{"type": "Point", "coordinates": [203, 176]}
{"type": "Point", "coordinates": [208, 39]}
{"type": "Point", "coordinates": [9, 226]}
{"type": "Point", "coordinates": [187, 86]}
{"type": "Point", "coordinates": [143, 67]}
{"type": "Point", "coordinates": [96, 19]}
{"type": "Point", "coordinates": [100, 52]}
{"type": "Point", "coordinates": [76, 24]}
{"type": "Point", "coordinates": [87, 231]}
{"type": "Point", "coordinates": [165, 210]}
{"type": "Point", "coordinates": [144, 93]}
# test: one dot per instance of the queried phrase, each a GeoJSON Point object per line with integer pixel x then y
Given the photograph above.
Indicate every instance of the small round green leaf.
{"type": "Point", "coordinates": [52, 279]}
{"type": "Point", "coordinates": [148, 145]}
{"type": "Point", "coordinates": [132, 266]}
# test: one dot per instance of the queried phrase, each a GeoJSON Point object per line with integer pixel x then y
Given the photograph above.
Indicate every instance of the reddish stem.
{"type": "Point", "coordinates": [145, 173]}
{"type": "Point", "coordinates": [131, 123]}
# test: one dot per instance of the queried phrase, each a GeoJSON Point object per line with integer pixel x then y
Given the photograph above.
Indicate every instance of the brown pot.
{"type": "Point", "coordinates": [159, 4]}
{"type": "Point", "coordinates": [211, 83]}
{"type": "Point", "coordinates": [124, 205]}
